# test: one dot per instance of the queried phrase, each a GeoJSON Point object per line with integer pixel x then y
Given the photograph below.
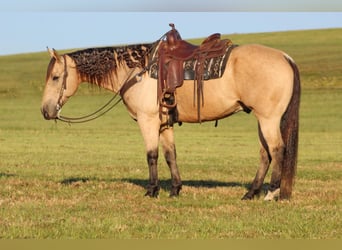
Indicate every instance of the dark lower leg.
{"type": "Point", "coordinates": [153, 185]}
{"type": "Point", "coordinates": [176, 183]}
{"type": "Point", "coordinates": [278, 156]}
{"type": "Point", "coordinates": [260, 175]}
{"type": "Point", "coordinates": [273, 191]}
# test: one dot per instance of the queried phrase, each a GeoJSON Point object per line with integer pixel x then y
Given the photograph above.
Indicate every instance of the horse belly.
{"type": "Point", "coordinates": [218, 101]}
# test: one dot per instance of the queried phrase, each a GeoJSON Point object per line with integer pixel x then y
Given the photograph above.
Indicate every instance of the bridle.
{"type": "Point", "coordinates": [92, 116]}
{"type": "Point", "coordinates": [129, 82]}
{"type": "Point", "coordinates": [63, 87]}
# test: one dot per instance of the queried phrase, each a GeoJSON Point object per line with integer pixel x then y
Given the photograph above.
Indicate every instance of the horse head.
{"type": "Point", "coordinates": [61, 82]}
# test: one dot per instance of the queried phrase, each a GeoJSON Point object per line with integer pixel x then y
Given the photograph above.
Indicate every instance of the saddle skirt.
{"type": "Point", "coordinates": [176, 60]}
{"type": "Point", "coordinates": [213, 67]}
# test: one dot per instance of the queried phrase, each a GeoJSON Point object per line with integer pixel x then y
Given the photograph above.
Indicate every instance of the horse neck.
{"type": "Point", "coordinates": [113, 81]}
{"type": "Point", "coordinates": [110, 67]}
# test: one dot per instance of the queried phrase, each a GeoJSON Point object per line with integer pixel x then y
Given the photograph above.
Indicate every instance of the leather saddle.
{"type": "Point", "coordinates": [172, 53]}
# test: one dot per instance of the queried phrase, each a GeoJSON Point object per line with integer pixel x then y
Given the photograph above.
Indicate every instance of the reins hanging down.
{"type": "Point", "coordinates": [98, 113]}
{"type": "Point", "coordinates": [129, 82]}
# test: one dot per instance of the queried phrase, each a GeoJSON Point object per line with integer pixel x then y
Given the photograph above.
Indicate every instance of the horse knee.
{"type": "Point", "coordinates": [152, 157]}
{"type": "Point", "coordinates": [170, 155]}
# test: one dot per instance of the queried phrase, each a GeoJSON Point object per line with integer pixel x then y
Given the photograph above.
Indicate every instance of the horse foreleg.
{"type": "Point", "coordinates": [153, 184]}
{"type": "Point", "coordinates": [169, 149]}
{"type": "Point", "coordinates": [150, 131]}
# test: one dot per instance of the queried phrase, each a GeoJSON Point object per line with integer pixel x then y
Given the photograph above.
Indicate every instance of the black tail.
{"type": "Point", "coordinates": [289, 130]}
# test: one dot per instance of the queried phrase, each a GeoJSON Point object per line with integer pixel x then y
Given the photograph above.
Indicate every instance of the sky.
{"type": "Point", "coordinates": [31, 26]}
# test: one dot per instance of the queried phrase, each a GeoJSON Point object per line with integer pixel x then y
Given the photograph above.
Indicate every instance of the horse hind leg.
{"type": "Point", "coordinates": [274, 188]}
{"type": "Point", "coordinates": [272, 135]}
{"type": "Point", "coordinates": [265, 160]}
{"type": "Point", "coordinates": [169, 149]}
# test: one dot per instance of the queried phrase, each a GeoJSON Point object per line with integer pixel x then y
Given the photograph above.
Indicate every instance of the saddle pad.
{"type": "Point", "coordinates": [213, 67]}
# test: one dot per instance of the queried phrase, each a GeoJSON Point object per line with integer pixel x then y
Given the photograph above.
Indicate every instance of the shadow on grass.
{"type": "Point", "coordinates": [6, 175]}
{"type": "Point", "coordinates": [164, 184]}
{"type": "Point", "coordinates": [72, 180]}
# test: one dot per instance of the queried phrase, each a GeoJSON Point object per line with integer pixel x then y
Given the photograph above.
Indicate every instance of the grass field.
{"type": "Point", "coordinates": [87, 181]}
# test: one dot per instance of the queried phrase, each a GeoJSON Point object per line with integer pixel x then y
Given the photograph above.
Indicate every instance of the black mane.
{"type": "Point", "coordinates": [97, 65]}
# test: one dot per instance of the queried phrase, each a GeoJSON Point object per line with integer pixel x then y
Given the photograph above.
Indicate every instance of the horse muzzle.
{"type": "Point", "coordinates": [50, 111]}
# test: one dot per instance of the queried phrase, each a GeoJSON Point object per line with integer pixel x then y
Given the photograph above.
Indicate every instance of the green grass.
{"type": "Point", "coordinates": [87, 181]}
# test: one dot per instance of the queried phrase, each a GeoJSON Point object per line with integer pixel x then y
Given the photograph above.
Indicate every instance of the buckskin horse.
{"type": "Point", "coordinates": [255, 78]}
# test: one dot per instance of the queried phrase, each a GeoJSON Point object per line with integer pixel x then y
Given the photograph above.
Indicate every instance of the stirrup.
{"type": "Point", "coordinates": [167, 111]}
{"type": "Point", "coordinates": [168, 100]}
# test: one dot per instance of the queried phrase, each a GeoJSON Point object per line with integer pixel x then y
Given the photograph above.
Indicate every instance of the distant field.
{"type": "Point", "coordinates": [87, 181]}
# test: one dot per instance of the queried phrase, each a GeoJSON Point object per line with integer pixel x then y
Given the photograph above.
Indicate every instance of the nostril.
{"type": "Point", "coordinates": [46, 115]}
{"type": "Point", "coordinates": [48, 110]}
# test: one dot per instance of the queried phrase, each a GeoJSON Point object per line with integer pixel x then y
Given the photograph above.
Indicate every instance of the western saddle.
{"type": "Point", "coordinates": [172, 53]}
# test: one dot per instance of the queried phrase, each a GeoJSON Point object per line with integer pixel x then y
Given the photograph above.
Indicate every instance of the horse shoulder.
{"type": "Point", "coordinates": [142, 98]}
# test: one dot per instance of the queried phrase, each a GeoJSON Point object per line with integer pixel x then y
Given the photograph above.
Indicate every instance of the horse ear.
{"type": "Point", "coordinates": [54, 54]}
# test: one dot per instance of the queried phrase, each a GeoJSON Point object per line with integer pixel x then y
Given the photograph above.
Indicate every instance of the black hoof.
{"type": "Point", "coordinates": [175, 191]}
{"type": "Point", "coordinates": [250, 195]}
{"type": "Point", "coordinates": [247, 197]}
{"type": "Point", "coordinates": [152, 191]}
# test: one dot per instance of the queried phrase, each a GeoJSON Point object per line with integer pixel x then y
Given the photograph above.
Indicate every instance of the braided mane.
{"type": "Point", "coordinates": [98, 65]}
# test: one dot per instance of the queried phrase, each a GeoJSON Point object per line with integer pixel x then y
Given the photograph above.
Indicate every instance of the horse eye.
{"type": "Point", "coordinates": [55, 78]}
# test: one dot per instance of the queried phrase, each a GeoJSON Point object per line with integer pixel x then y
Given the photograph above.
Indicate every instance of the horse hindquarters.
{"type": "Point", "coordinates": [271, 89]}
{"type": "Point", "coordinates": [279, 138]}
